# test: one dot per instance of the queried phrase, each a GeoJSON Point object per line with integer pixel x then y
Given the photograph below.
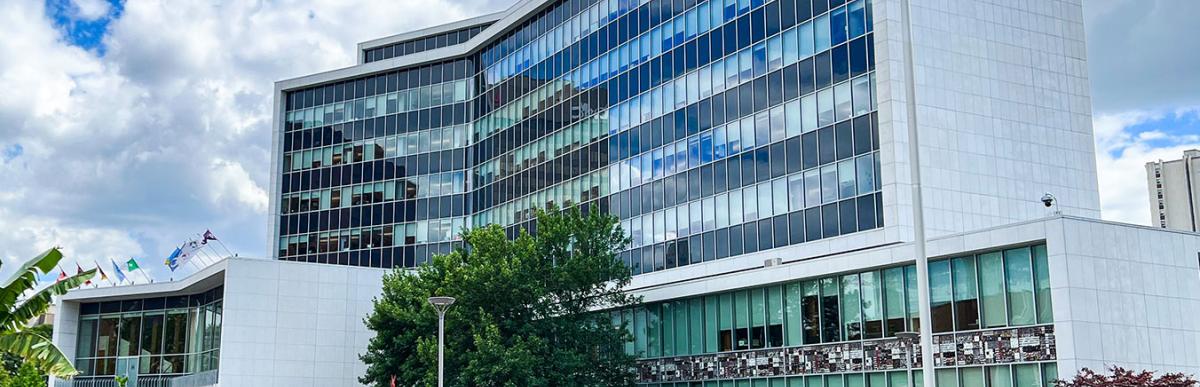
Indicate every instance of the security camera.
{"type": "Point", "coordinates": [1048, 200]}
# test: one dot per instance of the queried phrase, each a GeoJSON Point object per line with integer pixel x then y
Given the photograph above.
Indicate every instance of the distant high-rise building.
{"type": "Point", "coordinates": [1173, 200]}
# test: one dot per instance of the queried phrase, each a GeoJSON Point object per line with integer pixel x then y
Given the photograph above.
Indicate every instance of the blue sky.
{"type": "Point", "coordinates": [145, 122]}
{"type": "Point", "coordinates": [83, 23]}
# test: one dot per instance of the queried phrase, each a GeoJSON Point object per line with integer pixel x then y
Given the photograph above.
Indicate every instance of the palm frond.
{"type": "Point", "coordinates": [25, 277]}
{"type": "Point", "coordinates": [39, 351]}
{"type": "Point", "coordinates": [12, 318]}
{"type": "Point", "coordinates": [44, 262]}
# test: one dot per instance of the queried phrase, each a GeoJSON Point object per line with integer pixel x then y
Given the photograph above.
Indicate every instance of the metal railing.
{"type": "Point", "coordinates": [202, 379]}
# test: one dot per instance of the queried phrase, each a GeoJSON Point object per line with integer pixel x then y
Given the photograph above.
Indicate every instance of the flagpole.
{"type": "Point", "coordinates": [227, 250]}
{"type": "Point", "coordinates": [200, 251]}
{"type": "Point", "coordinates": [192, 257]}
{"type": "Point", "coordinates": [121, 277]}
{"type": "Point", "coordinates": [205, 241]}
{"type": "Point", "coordinates": [198, 267]}
{"type": "Point", "coordinates": [139, 269]}
{"type": "Point", "coordinates": [206, 255]}
{"type": "Point", "coordinates": [110, 281]}
{"type": "Point", "coordinates": [193, 260]}
{"type": "Point", "coordinates": [208, 232]}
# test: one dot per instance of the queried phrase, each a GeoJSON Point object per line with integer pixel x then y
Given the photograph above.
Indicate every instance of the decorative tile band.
{"type": "Point", "coordinates": [1005, 345]}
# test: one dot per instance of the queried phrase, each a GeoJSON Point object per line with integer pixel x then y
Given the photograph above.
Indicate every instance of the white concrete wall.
{"type": "Point", "coordinates": [295, 324]}
{"type": "Point", "coordinates": [1003, 110]}
{"type": "Point", "coordinates": [1125, 295]}
{"type": "Point", "coordinates": [66, 331]}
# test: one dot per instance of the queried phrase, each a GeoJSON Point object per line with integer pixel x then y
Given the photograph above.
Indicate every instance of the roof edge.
{"type": "Point", "coordinates": [504, 20]}
{"type": "Point", "coordinates": [201, 278]}
{"type": "Point", "coordinates": [433, 30]}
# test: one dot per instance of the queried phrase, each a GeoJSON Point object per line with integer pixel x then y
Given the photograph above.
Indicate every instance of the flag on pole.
{"type": "Point", "coordinates": [117, 269]}
{"type": "Point", "coordinates": [62, 274]}
{"type": "Point", "coordinates": [132, 265]}
{"type": "Point", "coordinates": [182, 253]}
{"type": "Point", "coordinates": [173, 260]}
{"type": "Point", "coordinates": [78, 271]}
{"type": "Point", "coordinates": [208, 236]}
{"type": "Point", "coordinates": [102, 275]}
{"type": "Point", "coordinates": [189, 249]}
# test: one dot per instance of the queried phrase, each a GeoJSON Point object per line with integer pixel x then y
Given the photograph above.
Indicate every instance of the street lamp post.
{"type": "Point", "coordinates": [441, 304]}
{"type": "Point", "coordinates": [907, 338]}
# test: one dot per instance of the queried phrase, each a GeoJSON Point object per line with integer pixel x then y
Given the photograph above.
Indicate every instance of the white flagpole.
{"type": "Point", "coordinates": [205, 241]}
{"type": "Point", "coordinates": [110, 281]}
{"type": "Point", "coordinates": [142, 272]}
{"type": "Point", "coordinates": [198, 267]}
{"type": "Point", "coordinates": [210, 256]}
{"type": "Point", "coordinates": [203, 244]}
{"type": "Point", "coordinates": [116, 280]}
{"type": "Point", "coordinates": [192, 258]}
{"type": "Point", "coordinates": [228, 252]}
{"type": "Point", "coordinates": [196, 254]}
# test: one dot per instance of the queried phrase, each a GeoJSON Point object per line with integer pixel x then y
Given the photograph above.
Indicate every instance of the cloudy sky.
{"type": "Point", "coordinates": [129, 126]}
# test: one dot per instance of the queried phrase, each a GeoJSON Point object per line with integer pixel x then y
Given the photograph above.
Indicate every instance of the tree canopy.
{"type": "Point", "coordinates": [528, 310]}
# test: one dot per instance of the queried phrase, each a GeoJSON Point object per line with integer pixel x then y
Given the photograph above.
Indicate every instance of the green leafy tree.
{"type": "Point", "coordinates": [24, 376]}
{"type": "Point", "coordinates": [526, 312]}
{"type": "Point", "coordinates": [16, 309]}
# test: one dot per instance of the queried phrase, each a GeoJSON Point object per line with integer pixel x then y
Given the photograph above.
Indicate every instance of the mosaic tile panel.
{"type": "Point", "coordinates": [1006, 345]}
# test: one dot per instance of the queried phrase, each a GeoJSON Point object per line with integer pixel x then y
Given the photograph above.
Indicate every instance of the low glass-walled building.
{"type": "Point", "coordinates": [166, 336]}
{"type": "Point", "coordinates": [848, 322]}
{"type": "Point", "coordinates": [160, 334]}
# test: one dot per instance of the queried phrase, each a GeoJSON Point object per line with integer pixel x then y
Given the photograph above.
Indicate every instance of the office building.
{"type": "Point", "coordinates": [1172, 183]}
{"type": "Point", "coordinates": [758, 154]}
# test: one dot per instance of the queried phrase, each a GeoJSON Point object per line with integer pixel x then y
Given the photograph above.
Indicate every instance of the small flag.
{"type": "Point", "coordinates": [62, 275]}
{"type": "Point", "coordinates": [188, 249]}
{"type": "Point", "coordinates": [78, 271]}
{"type": "Point", "coordinates": [117, 269]}
{"type": "Point", "coordinates": [208, 236]}
{"type": "Point", "coordinates": [173, 260]}
{"type": "Point", "coordinates": [102, 275]}
{"type": "Point", "coordinates": [132, 265]}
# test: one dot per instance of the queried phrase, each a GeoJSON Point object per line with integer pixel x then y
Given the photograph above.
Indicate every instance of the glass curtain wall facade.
{"type": "Point", "coordinates": [719, 127]}
{"type": "Point", "coordinates": [169, 336]}
{"type": "Point", "coordinates": [711, 128]}
{"type": "Point", "coordinates": [1000, 289]}
{"type": "Point", "coordinates": [375, 169]}
{"type": "Point", "coordinates": [421, 44]}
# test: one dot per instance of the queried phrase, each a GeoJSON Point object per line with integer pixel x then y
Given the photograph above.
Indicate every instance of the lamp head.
{"type": "Point", "coordinates": [441, 301]}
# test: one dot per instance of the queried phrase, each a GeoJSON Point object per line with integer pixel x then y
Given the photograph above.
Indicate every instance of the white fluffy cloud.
{"type": "Point", "coordinates": [1122, 153]}
{"type": "Point", "coordinates": [127, 151]}
{"type": "Point", "coordinates": [89, 10]}
{"type": "Point", "coordinates": [166, 133]}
